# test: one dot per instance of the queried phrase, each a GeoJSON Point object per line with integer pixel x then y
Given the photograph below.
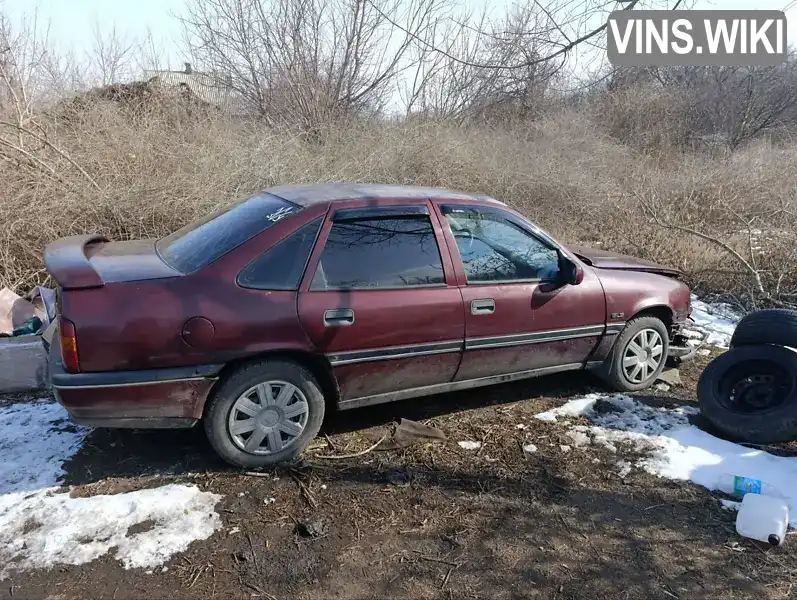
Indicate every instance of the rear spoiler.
{"type": "Point", "coordinates": [66, 261]}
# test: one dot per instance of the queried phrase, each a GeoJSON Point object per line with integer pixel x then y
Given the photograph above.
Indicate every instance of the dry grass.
{"type": "Point", "coordinates": [149, 170]}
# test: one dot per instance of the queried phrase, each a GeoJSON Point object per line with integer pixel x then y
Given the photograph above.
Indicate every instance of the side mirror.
{"type": "Point", "coordinates": [572, 273]}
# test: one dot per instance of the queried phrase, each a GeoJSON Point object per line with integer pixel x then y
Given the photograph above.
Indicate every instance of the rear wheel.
{"type": "Point", "coordinates": [750, 394]}
{"type": "Point", "coordinates": [264, 413]}
{"type": "Point", "coordinates": [639, 355]}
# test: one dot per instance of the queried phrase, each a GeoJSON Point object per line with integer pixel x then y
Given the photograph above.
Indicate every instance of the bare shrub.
{"type": "Point", "coordinates": [645, 117]}
{"type": "Point", "coordinates": [720, 106]}
{"type": "Point", "coordinates": [613, 170]}
{"type": "Point", "coordinates": [145, 176]}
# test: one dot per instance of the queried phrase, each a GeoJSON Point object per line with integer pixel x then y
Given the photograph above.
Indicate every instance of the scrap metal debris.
{"type": "Point", "coordinates": [410, 432]}
{"type": "Point", "coordinates": [405, 434]}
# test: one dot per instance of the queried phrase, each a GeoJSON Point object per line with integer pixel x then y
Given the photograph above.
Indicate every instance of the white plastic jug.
{"type": "Point", "coordinates": [763, 518]}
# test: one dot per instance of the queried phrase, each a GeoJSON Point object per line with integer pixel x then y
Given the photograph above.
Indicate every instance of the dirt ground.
{"type": "Point", "coordinates": [432, 521]}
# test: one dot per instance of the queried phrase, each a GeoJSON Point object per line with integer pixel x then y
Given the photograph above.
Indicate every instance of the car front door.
{"type": "Point", "coordinates": [519, 314]}
{"type": "Point", "coordinates": [381, 301]}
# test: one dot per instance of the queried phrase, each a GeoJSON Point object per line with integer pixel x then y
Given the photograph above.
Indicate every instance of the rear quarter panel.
{"type": "Point", "coordinates": [138, 325]}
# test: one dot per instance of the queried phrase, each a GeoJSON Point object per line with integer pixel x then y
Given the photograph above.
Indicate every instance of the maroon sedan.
{"type": "Point", "coordinates": [259, 318]}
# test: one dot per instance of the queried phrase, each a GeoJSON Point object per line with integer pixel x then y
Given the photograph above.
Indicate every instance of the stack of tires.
{"type": "Point", "coordinates": [750, 392]}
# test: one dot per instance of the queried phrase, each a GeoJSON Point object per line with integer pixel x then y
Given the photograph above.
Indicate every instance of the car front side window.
{"type": "Point", "coordinates": [494, 249]}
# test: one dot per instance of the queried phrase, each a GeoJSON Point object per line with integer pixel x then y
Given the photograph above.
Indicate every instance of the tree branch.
{"type": "Point", "coordinates": [561, 51]}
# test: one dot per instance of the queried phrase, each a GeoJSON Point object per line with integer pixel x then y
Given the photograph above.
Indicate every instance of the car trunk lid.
{"type": "Point", "coordinates": [129, 261]}
{"type": "Point", "coordinates": [91, 261]}
{"type": "Point", "coordinates": [604, 259]}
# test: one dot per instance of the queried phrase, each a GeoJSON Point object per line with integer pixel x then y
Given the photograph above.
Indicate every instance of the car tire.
{"type": "Point", "coordinates": [284, 430]}
{"type": "Point", "coordinates": [623, 377]}
{"type": "Point", "coordinates": [769, 326]}
{"type": "Point", "coordinates": [733, 388]}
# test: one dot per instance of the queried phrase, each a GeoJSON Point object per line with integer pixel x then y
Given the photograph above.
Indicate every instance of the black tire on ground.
{"type": "Point", "coordinates": [769, 326]}
{"type": "Point", "coordinates": [217, 412]}
{"type": "Point", "coordinates": [734, 389]}
{"type": "Point", "coordinates": [615, 374]}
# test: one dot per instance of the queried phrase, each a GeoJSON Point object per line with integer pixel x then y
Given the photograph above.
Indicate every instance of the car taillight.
{"type": "Point", "coordinates": [69, 345]}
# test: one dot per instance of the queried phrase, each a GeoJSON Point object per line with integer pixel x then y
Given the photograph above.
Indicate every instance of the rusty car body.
{"type": "Point", "coordinates": [262, 316]}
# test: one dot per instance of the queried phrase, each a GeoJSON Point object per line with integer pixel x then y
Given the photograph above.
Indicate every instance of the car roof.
{"type": "Point", "coordinates": [306, 195]}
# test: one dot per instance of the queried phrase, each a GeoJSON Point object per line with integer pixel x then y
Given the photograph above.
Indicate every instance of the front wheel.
{"type": "Point", "coordinates": [639, 355]}
{"type": "Point", "coordinates": [264, 413]}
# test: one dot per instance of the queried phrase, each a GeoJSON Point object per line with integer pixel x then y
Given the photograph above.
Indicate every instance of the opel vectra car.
{"type": "Point", "coordinates": [298, 300]}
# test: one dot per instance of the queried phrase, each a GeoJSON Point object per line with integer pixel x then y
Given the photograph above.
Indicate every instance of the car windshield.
{"type": "Point", "coordinates": [203, 241]}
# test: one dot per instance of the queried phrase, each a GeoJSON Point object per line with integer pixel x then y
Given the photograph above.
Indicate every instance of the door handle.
{"type": "Point", "coordinates": [339, 317]}
{"type": "Point", "coordinates": [484, 306]}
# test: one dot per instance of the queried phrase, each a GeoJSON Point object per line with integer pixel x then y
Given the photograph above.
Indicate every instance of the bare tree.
{"type": "Point", "coordinates": [743, 103]}
{"type": "Point", "coordinates": [21, 54]}
{"type": "Point", "coordinates": [459, 88]}
{"type": "Point", "coordinates": [307, 60]}
{"type": "Point", "coordinates": [569, 25]}
{"type": "Point", "coordinates": [32, 71]}
{"type": "Point", "coordinates": [29, 77]}
{"type": "Point", "coordinates": [111, 55]}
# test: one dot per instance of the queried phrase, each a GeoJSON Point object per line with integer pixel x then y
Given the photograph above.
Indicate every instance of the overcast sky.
{"type": "Point", "coordinates": [71, 21]}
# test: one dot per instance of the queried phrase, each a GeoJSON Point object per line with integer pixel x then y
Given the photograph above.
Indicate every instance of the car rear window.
{"type": "Point", "coordinates": [281, 266]}
{"type": "Point", "coordinates": [200, 243]}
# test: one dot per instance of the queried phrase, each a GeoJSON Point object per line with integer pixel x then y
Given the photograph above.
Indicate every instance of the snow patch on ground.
{"type": "Point", "coordinates": [573, 408]}
{"type": "Point", "coordinates": [35, 438]}
{"type": "Point", "coordinates": [469, 445]}
{"type": "Point", "coordinates": [579, 435]}
{"type": "Point", "coordinates": [40, 526]}
{"type": "Point", "coordinates": [43, 530]}
{"type": "Point", "coordinates": [717, 320]}
{"type": "Point", "coordinates": [675, 449]}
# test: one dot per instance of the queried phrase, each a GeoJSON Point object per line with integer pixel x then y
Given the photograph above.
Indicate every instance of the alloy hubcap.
{"type": "Point", "coordinates": [643, 355]}
{"type": "Point", "coordinates": [268, 417]}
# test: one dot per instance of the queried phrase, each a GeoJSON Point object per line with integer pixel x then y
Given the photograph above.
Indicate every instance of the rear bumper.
{"type": "Point", "coordinates": [153, 398]}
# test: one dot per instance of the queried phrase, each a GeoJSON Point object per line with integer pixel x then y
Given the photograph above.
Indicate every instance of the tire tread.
{"type": "Point", "coordinates": [769, 326]}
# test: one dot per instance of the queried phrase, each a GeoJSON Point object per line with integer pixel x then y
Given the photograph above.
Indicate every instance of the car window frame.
{"type": "Point", "coordinates": [366, 213]}
{"type": "Point", "coordinates": [320, 225]}
{"type": "Point", "coordinates": [533, 232]}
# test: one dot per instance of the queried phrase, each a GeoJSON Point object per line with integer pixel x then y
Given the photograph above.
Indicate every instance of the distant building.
{"type": "Point", "coordinates": [213, 88]}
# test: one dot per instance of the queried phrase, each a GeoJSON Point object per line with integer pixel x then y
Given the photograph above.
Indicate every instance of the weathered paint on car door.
{"type": "Point", "coordinates": [515, 326]}
{"type": "Point", "coordinates": [383, 340]}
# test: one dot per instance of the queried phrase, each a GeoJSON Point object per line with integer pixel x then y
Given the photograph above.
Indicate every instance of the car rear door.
{"type": "Point", "coordinates": [381, 300]}
{"type": "Point", "coordinates": [519, 316]}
